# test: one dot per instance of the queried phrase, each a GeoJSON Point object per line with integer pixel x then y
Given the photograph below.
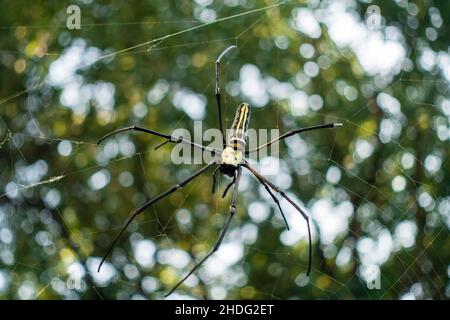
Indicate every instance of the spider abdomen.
{"type": "Point", "coordinates": [239, 127]}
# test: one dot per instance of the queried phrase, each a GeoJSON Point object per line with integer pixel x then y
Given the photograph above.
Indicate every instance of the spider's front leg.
{"type": "Point", "coordinates": [222, 233]}
{"type": "Point", "coordinates": [151, 202]}
{"type": "Point", "coordinates": [214, 183]}
{"type": "Point", "coordinates": [267, 182]}
{"type": "Point", "coordinates": [275, 199]}
{"type": "Point", "coordinates": [224, 194]}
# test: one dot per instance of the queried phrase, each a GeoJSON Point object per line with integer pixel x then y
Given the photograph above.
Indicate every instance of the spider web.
{"type": "Point", "coordinates": [10, 146]}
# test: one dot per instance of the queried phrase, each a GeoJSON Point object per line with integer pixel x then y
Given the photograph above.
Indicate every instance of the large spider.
{"type": "Point", "coordinates": [228, 161]}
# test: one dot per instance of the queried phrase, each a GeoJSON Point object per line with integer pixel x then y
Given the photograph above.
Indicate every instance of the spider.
{"type": "Point", "coordinates": [228, 161]}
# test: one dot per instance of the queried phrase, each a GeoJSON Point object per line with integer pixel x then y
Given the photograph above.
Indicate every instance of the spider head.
{"type": "Point", "coordinates": [232, 157]}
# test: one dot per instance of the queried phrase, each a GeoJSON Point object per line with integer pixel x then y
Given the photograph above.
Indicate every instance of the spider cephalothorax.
{"type": "Point", "coordinates": [229, 161]}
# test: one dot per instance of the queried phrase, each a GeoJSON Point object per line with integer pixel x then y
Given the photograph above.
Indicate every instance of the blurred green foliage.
{"type": "Point", "coordinates": [46, 228]}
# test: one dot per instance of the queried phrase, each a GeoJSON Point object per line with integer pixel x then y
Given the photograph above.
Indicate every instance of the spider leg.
{"type": "Point", "coordinates": [169, 138]}
{"type": "Point", "coordinates": [149, 203]}
{"type": "Point", "coordinates": [218, 95]}
{"type": "Point", "coordinates": [221, 236]}
{"type": "Point", "coordinates": [292, 132]}
{"type": "Point", "coordinates": [214, 175]}
{"type": "Point", "coordinates": [228, 187]}
{"type": "Point", "coordinates": [266, 186]}
{"type": "Point", "coordinates": [161, 144]}
{"type": "Point", "coordinates": [260, 177]}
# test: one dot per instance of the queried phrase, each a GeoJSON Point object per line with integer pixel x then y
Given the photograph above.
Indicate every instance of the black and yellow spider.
{"type": "Point", "coordinates": [228, 161]}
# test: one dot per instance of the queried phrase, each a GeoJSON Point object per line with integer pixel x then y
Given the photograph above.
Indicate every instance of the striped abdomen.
{"type": "Point", "coordinates": [239, 127]}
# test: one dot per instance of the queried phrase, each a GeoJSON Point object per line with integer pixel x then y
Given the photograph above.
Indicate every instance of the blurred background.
{"type": "Point", "coordinates": [377, 189]}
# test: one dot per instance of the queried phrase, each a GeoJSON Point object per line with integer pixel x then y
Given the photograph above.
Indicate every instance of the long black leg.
{"type": "Point", "coordinates": [292, 132]}
{"type": "Point", "coordinates": [221, 236]}
{"type": "Point", "coordinates": [218, 95]}
{"type": "Point", "coordinates": [260, 177]}
{"type": "Point", "coordinates": [162, 135]}
{"type": "Point", "coordinates": [266, 186]}
{"type": "Point", "coordinates": [214, 175]}
{"type": "Point", "coordinates": [224, 194]}
{"type": "Point", "coordinates": [149, 203]}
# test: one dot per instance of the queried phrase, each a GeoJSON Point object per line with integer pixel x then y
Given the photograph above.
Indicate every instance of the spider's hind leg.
{"type": "Point", "coordinates": [217, 91]}
{"type": "Point", "coordinates": [168, 138]}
